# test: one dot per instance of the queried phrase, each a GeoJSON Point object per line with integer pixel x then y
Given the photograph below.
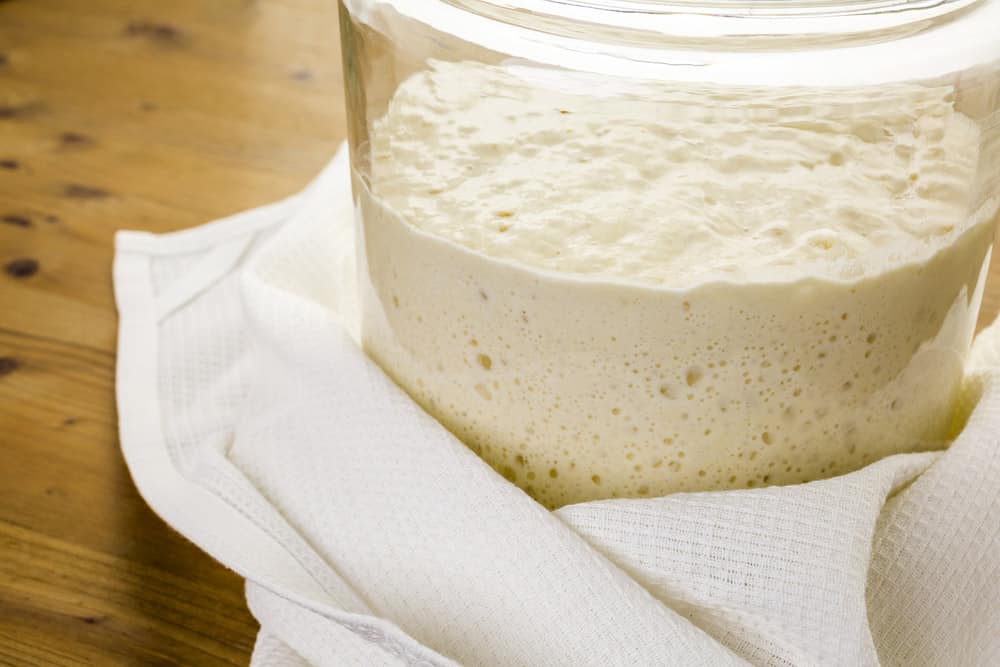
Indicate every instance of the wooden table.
{"type": "Point", "coordinates": [143, 115]}
{"type": "Point", "coordinates": [126, 114]}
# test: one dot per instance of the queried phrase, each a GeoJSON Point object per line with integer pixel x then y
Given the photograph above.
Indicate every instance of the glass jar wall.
{"type": "Point", "coordinates": [623, 249]}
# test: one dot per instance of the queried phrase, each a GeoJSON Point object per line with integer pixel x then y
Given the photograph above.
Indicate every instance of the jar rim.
{"type": "Point", "coordinates": [833, 20]}
{"type": "Point", "coordinates": [753, 8]}
{"type": "Point", "coordinates": [960, 36]}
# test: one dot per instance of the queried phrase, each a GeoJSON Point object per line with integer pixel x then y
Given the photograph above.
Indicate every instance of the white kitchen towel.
{"type": "Point", "coordinates": [254, 424]}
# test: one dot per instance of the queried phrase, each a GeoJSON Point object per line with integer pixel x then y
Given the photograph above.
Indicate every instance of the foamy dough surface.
{"type": "Point", "coordinates": [677, 186]}
{"type": "Point", "coordinates": [679, 291]}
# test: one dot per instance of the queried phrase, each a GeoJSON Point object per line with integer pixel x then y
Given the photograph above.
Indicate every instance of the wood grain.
{"type": "Point", "coordinates": [142, 115]}
{"type": "Point", "coordinates": [137, 114]}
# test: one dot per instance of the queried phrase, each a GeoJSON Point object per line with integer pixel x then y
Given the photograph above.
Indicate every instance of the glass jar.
{"type": "Point", "coordinates": [626, 248]}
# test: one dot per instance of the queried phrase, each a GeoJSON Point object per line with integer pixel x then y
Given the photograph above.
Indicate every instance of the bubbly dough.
{"type": "Point", "coordinates": [675, 187]}
{"type": "Point", "coordinates": [675, 288]}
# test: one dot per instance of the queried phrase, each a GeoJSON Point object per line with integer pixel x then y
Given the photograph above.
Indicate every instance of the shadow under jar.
{"type": "Point", "coordinates": [624, 249]}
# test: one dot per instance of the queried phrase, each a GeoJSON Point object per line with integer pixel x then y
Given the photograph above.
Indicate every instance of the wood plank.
{"type": "Point", "coordinates": [138, 115]}
{"type": "Point", "coordinates": [64, 604]}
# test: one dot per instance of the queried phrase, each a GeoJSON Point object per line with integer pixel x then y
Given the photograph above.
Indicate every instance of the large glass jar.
{"type": "Point", "coordinates": [627, 248]}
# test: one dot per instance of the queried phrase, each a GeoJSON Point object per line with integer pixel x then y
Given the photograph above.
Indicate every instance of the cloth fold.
{"type": "Point", "coordinates": [254, 424]}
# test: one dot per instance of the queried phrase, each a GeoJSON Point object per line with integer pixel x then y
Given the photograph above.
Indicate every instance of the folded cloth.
{"type": "Point", "coordinates": [254, 424]}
